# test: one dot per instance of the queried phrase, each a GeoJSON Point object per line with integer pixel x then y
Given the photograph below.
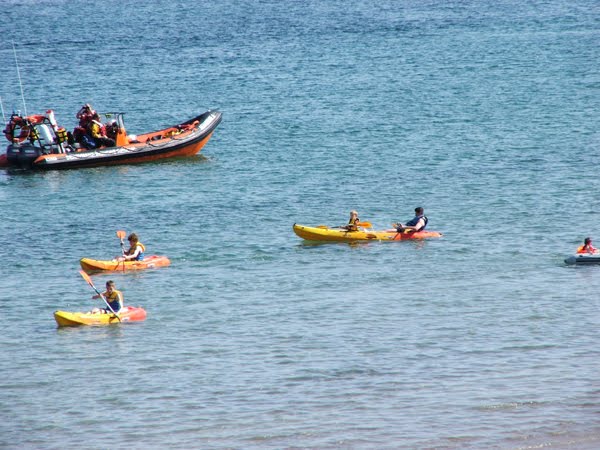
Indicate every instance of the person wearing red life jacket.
{"type": "Point", "coordinates": [587, 247]}
{"type": "Point", "coordinates": [85, 116]}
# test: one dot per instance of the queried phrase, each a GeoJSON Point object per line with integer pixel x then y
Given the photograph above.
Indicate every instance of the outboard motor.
{"type": "Point", "coordinates": [29, 138]}
{"type": "Point", "coordinates": [22, 155]}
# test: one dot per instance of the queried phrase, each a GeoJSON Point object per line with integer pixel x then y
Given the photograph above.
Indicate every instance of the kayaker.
{"type": "Point", "coordinates": [353, 222]}
{"type": "Point", "coordinates": [417, 223]}
{"type": "Point", "coordinates": [136, 249]}
{"type": "Point", "coordinates": [587, 246]}
{"type": "Point", "coordinates": [112, 296]}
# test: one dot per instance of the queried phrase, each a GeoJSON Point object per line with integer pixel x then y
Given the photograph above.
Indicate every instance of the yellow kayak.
{"type": "Point", "coordinates": [324, 233]}
{"type": "Point", "coordinates": [73, 319]}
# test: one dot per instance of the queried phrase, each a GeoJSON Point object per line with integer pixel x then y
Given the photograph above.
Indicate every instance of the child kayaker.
{"type": "Point", "coordinates": [353, 222]}
{"type": "Point", "coordinates": [587, 246]}
{"type": "Point", "coordinates": [136, 249]}
{"type": "Point", "coordinates": [113, 297]}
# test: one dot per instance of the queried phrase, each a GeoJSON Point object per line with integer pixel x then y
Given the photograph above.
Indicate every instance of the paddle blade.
{"type": "Point", "coordinates": [121, 234]}
{"type": "Point", "coordinates": [87, 278]}
{"type": "Point", "coordinates": [365, 224]}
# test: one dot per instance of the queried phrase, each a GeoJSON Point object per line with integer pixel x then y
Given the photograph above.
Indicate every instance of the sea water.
{"type": "Point", "coordinates": [484, 113]}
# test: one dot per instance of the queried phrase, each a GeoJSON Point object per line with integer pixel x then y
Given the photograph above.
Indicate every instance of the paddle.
{"type": "Point", "coordinates": [397, 237]}
{"type": "Point", "coordinates": [121, 235]}
{"type": "Point", "coordinates": [398, 232]}
{"type": "Point", "coordinates": [87, 278]}
{"type": "Point", "coordinates": [359, 224]}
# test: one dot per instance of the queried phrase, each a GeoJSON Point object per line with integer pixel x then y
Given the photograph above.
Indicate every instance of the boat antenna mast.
{"type": "Point", "coordinates": [2, 108]}
{"type": "Point", "coordinates": [19, 76]}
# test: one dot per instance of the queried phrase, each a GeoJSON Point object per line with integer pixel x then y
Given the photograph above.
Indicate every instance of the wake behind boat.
{"type": "Point", "coordinates": [38, 142]}
{"type": "Point", "coordinates": [323, 233]}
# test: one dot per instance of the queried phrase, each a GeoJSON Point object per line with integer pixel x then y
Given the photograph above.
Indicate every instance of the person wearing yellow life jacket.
{"type": "Point", "coordinates": [353, 222]}
{"type": "Point", "coordinates": [136, 249]}
{"type": "Point", "coordinates": [97, 132]}
{"type": "Point", "coordinates": [587, 246]}
{"type": "Point", "coordinates": [113, 297]}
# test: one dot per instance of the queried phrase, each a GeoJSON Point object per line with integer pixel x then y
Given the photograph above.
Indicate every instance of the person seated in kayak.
{"type": "Point", "coordinates": [353, 222]}
{"type": "Point", "coordinates": [97, 132]}
{"type": "Point", "coordinates": [417, 223]}
{"type": "Point", "coordinates": [136, 249]}
{"type": "Point", "coordinates": [113, 297]}
{"type": "Point", "coordinates": [587, 246]}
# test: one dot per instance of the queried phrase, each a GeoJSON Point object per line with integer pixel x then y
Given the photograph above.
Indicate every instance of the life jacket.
{"type": "Point", "coordinates": [85, 115]}
{"type": "Point", "coordinates": [139, 257]}
{"type": "Point", "coordinates": [582, 249]}
{"type": "Point", "coordinates": [415, 221]}
{"type": "Point", "coordinates": [114, 299]}
{"type": "Point", "coordinates": [96, 129]}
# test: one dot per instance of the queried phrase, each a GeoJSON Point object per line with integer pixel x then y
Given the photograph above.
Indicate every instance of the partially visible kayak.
{"type": "Point", "coordinates": [326, 234]}
{"type": "Point", "coordinates": [74, 319]}
{"type": "Point", "coordinates": [583, 258]}
{"type": "Point", "coordinates": [149, 262]}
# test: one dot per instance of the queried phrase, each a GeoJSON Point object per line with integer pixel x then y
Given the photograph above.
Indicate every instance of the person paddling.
{"type": "Point", "coordinates": [587, 246]}
{"type": "Point", "coordinates": [136, 249]}
{"type": "Point", "coordinates": [113, 297]}
{"type": "Point", "coordinates": [353, 222]}
{"type": "Point", "coordinates": [417, 223]}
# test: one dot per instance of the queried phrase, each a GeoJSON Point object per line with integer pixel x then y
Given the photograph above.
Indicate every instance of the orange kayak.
{"type": "Point", "coordinates": [149, 262]}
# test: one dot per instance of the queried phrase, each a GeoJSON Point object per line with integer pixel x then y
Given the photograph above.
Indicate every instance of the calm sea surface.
{"type": "Point", "coordinates": [484, 113]}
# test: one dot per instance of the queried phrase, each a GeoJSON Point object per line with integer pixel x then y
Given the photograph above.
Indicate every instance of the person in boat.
{"type": "Point", "coordinates": [97, 132]}
{"type": "Point", "coordinates": [353, 222]}
{"type": "Point", "coordinates": [417, 223]}
{"type": "Point", "coordinates": [587, 246]}
{"type": "Point", "coordinates": [85, 114]}
{"type": "Point", "coordinates": [113, 297]}
{"type": "Point", "coordinates": [80, 133]}
{"type": "Point", "coordinates": [112, 129]}
{"type": "Point", "coordinates": [136, 249]}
